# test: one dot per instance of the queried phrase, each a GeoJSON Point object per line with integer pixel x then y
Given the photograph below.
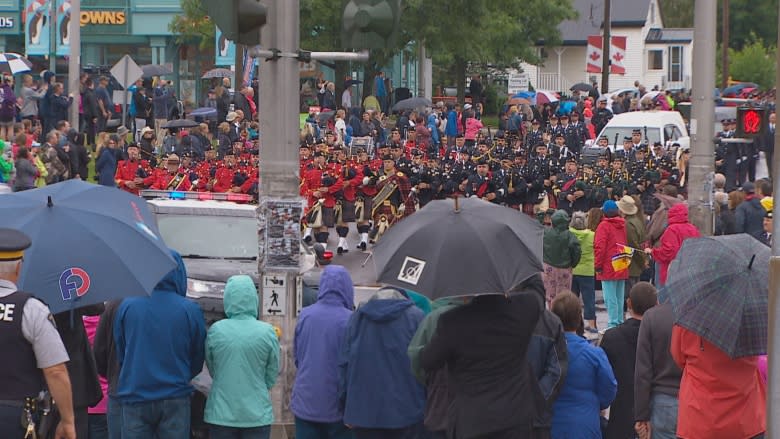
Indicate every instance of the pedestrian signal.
{"type": "Point", "coordinates": [751, 122]}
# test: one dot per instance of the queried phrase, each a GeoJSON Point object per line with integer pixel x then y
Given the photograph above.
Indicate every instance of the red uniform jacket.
{"type": "Point", "coordinates": [127, 171]}
{"type": "Point", "coordinates": [176, 182]}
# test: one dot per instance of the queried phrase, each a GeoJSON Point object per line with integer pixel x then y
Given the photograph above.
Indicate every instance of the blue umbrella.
{"type": "Point", "coordinates": [204, 112]}
{"type": "Point", "coordinates": [90, 244]}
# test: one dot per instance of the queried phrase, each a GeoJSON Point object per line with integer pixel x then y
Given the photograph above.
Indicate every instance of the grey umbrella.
{"type": "Point", "coordinates": [412, 104]}
{"type": "Point", "coordinates": [451, 249]}
{"type": "Point", "coordinates": [156, 70]}
{"type": "Point", "coordinates": [218, 73]}
{"type": "Point", "coordinates": [180, 123]}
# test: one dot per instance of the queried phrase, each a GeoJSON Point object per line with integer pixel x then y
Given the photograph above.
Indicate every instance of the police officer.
{"type": "Point", "coordinates": [27, 330]}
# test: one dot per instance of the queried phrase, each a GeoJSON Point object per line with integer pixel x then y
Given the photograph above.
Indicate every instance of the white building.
{"type": "Point", "coordinates": [654, 55]}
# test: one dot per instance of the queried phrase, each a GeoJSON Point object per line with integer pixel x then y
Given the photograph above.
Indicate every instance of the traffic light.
{"type": "Point", "coordinates": [370, 24]}
{"type": "Point", "coordinates": [239, 20]}
{"type": "Point", "coordinates": [751, 122]}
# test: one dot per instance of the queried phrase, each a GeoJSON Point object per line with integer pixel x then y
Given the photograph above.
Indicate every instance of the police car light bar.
{"type": "Point", "coordinates": [152, 194]}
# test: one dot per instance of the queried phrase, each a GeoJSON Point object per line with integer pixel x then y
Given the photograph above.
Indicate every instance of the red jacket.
{"type": "Point", "coordinates": [609, 233]}
{"type": "Point", "coordinates": [719, 397]}
{"type": "Point", "coordinates": [677, 230]}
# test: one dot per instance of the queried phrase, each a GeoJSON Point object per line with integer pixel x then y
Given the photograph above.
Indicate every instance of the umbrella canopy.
{"type": "Point", "coordinates": [462, 248]}
{"type": "Point", "coordinates": [151, 70]}
{"type": "Point", "coordinates": [530, 95]}
{"type": "Point", "coordinates": [218, 73]}
{"type": "Point", "coordinates": [14, 63]}
{"type": "Point", "coordinates": [736, 89]}
{"type": "Point", "coordinates": [351, 82]}
{"type": "Point", "coordinates": [718, 287]}
{"type": "Point", "coordinates": [519, 101]}
{"type": "Point", "coordinates": [90, 243]}
{"type": "Point", "coordinates": [546, 97]}
{"type": "Point", "coordinates": [583, 87]}
{"type": "Point", "coordinates": [180, 123]}
{"type": "Point", "coordinates": [412, 104]}
{"type": "Point", "coordinates": [325, 116]}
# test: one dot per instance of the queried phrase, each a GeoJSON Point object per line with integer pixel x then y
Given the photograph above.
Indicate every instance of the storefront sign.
{"type": "Point", "coordinates": [102, 17]}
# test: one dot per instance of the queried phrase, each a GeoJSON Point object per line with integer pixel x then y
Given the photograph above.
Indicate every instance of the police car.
{"type": "Point", "coordinates": [216, 236]}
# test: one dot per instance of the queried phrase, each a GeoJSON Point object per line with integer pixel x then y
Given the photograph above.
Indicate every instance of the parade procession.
{"type": "Point", "coordinates": [389, 219]}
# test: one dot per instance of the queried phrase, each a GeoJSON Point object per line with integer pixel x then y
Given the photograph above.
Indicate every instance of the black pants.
{"type": "Point", "coordinates": [11, 422]}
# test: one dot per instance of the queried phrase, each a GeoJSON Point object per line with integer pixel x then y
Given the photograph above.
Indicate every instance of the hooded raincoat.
{"type": "Point", "coordinates": [318, 338]}
{"type": "Point", "coordinates": [242, 354]}
{"type": "Point", "coordinates": [678, 230]}
{"type": "Point", "coordinates": [561, 247]}
{"type": "Point", "coordinates": [160, 341]}
{"type": "Point", "coordinates": [377, 384]}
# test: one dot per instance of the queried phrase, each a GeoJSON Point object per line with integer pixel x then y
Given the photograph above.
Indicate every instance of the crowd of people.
{"type": "Point", "coordinates": [40, 147]}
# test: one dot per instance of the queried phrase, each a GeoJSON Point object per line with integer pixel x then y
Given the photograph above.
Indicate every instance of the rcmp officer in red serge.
{"type": "Point", "coordinates": [39, 356]}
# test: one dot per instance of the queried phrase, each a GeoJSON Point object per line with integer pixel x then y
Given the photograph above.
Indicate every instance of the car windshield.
{"type": "Point", "coordinates": [210, 236]}
{"type": "Point", "coordinates": [653, 134]}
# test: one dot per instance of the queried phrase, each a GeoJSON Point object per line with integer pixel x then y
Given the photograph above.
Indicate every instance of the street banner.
{"type": "Point", "coordinates": [36, 27]}
{"type": "Point", "coordinates": [225, 50]}
{"type": "Point", "coordinates": [617, 54]}
{"type": "Point", "coordinates": [63, 21]}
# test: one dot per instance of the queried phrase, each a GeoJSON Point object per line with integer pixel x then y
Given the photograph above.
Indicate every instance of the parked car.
{"type": "Point", "coordinates": [667, 127]}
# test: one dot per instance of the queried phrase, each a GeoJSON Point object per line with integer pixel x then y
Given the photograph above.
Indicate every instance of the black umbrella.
{"type": "Point", "coordinates": [180, 123]}
{"type": "Point", "coordinates": [156, 70]}
{"type": "Point", "coordinates": [464, 248]}
{"type": "Point", "coordinates": [350, 82]}
{"type": "Point", "coordinates": [412, 104]}
{"type": "Point", "coordinates": [581, 86]}
{"type": "Point", "coordinates": [325, 116]}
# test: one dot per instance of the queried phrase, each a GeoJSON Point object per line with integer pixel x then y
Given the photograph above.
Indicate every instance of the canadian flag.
{"type": "Point", "coordinates": [617, 55]}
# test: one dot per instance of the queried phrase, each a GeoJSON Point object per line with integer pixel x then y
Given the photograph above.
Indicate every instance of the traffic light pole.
{"type": "Point", "coordinates": [279, 127]}
{"type": "Point", "coordinates": [702, 164]}
{"type": "Point", "coordinates": [74, 62]}
{"type": "Point", "coordinates": [773, 346]}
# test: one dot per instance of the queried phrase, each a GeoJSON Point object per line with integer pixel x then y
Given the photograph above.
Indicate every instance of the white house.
{"type": "Point", "coordinates": [654, 55]}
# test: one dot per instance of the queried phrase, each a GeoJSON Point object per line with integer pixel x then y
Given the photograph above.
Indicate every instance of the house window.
{"type": "Point", "coordinates": [675, 73]}
{"type": "Point", "coordinates": [655, 59]}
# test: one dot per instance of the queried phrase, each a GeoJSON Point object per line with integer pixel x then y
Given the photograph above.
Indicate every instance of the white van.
{"type": "Point", "coordinates": [666, 127]}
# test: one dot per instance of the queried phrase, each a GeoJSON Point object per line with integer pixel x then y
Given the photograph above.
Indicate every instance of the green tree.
{"type": "Point", "coordinates": [677, 13]}
{"type": "Point", "coordinates": [495, 32]}
{"type": "Point", "coordinates": [193, 25]}
{"type": "Point", "coordinates": [754, 63]}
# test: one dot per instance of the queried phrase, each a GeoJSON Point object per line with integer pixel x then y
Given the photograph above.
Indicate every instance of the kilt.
{"type": "Point", "coordinates": [348, 211]}
{"type": "Point", "coordinates": [328, 217]}
{"type": "Point", "coordinates": [387, 210]}
{"type": "Point", "coordinates": [368, 204]}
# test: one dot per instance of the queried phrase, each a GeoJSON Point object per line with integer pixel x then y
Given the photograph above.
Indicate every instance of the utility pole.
{"type": "Point", "coordinates": [773, 346]}
{"type": "Point", "coordinates": [53, 36]}
{"type": "Point", "coordinates": [239, 67]}
{"type": "Point", "coordinates": [702, 165]}
{"type": "Point", "coordinates": [74, 61]}
{"type": "Point", "coordinates": [606, 45]}
{"type": "Point", "coordinates": [724, 49]}
{"type": "Point", "coordinates": [279, 128]}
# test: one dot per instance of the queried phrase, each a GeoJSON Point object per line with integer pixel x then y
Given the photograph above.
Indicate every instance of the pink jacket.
{"type": "Point", "coordinates": [91, 324]}
{"type": "Point", "coordinates": [473, 125]}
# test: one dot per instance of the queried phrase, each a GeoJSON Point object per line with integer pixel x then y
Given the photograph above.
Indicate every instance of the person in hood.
{"type": "Point", "coordinates": [678, 230]}
{"type": "Point", "coordinates": [750, 213]}
{"type": "Point", "coordinates": [160, 347]}
{"type": "Point", "coordinates": [562, 253]}
{"type": "Point", "coordinates": [610, 235]}
{"type": "Point", "coordinates": [382, 398]}
{"type": "Point", "coordinates": [242, 354]}
{"type": "Point", "coordinates": [620, 345]}
{"type": "Point", "coordinates": [484, 345]}
{"type": "Point", "coordinates": [590, 385]}
{"type": "Point", "coordinates": [318, 338]}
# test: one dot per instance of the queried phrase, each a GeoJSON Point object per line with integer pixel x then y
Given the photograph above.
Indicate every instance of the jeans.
{"type": "Point", "coordinates": [663, 416]}
{"type": "Point", "coordinates": [613, 297]}
{"type": "Point", "coordinates": [586, 286]}
{"type": "Point", "coordinates": [98, 427]}
{"type": "Point", "coordinates": [321, 430]}
{"type": "Point", "coordinates": [221, 432]}
{"type": "Point", "coordinates": [114, 418]}
{"type": "Point", "coordinates": [166, 418]}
